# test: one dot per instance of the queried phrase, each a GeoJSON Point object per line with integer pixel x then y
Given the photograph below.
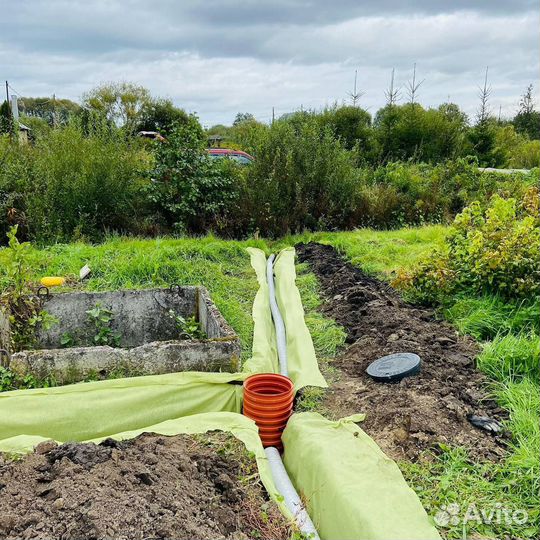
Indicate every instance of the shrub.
{"type": "Point", "coordinates": [493, 251]}
{"type": "Point", "coordinates": [83, 185]}
{"type": "Point", "coordinates": [401, 193]}
{"type": "Point", "coordinates": [302, 178]}
{"type": "Point", "coordinates": [191, 191]}
{"type": "Point", "coordinates": [14, 165]}
{"type": "Point", "coordinates": [71, 184]}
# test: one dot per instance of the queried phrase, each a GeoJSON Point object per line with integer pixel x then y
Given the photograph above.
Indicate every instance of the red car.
{"type": "Point", "coordinates": [237, 155]}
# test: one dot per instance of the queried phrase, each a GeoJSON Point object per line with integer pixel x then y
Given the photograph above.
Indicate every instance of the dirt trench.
{"type": "Point", "coordinates": [420, 412]}
{"type": "Point", "coordinates": [181, 487]}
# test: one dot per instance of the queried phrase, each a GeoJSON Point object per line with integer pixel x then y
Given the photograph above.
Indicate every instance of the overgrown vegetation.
{"type": "Point", "coordinates": [188, 327]}
{"type": "Point", "coordinates": [496, 250]}
{"type": "Point", "coordinates": [87, 174]}
{"type": "Point", "coordinates": [18, 299]}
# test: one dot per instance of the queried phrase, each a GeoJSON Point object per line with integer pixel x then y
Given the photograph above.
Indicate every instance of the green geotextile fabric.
{"type": "Point", "coordinates": [302, 362]}
{"type": "Point", "coordinates": [79, 412]}
{"type": "Point", "coordinates": [352, 490]}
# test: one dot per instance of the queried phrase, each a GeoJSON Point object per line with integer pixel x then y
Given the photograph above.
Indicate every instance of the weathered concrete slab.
{"type": "Point", "coordinates": [148, 337]}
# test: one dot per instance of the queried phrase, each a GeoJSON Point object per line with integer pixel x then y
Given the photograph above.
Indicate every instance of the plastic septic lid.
{"type": "Point", "coordinates": [394, 367]}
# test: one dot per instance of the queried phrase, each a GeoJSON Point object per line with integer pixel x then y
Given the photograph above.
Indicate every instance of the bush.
{"type": "Point", "coordinates": [401, 193]}
{"type": "Point", "coordinates": [190, 191]}
{"type": "Point", "coordinates": [302, 178]}
{"type": "Point", "coordinates": [72, 184]}
{"type": "Point", "coordinates": [492, 251]}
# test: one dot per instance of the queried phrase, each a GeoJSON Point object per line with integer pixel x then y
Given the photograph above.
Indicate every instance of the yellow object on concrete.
{"type": "Point", "coordinates": [52, 281]}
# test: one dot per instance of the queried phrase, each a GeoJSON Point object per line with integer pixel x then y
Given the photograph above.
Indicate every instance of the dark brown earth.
{"type": "Point", "coordinates": [181, 487]}
{"type": "Point", "coordinates": [421, 411]}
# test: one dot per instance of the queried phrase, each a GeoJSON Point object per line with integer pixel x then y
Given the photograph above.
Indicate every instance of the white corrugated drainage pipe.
{"type": "Point", "coordinates": [276, 316]}
{"type": "Point", "coordinates": [279, 474]}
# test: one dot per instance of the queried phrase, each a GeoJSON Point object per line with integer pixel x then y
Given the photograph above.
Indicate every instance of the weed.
{"type": "Point", "coordinates": [188, 327]}
{"type": "Point", "coordinates": [102, 319]}
{"type": "Point", "coordinates": [9, 380]}
{"type": "Point", "coordinates": [67, 340]}
{"type": "Point", "coordinates": [25, 314]}
{"type": "Point", "coordinates": [309, 398]}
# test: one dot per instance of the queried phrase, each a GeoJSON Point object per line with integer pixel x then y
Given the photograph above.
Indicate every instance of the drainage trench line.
{"type": "Point", "coordinates": [279, 474]}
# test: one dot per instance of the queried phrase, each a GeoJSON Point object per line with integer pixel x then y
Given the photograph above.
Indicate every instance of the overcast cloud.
{"type": "Point", "coordinates": [220, 57]}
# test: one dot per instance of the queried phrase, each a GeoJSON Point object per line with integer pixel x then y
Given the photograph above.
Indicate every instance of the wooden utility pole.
{"type": "Point", "coordinates": [273, 115]}
{"type": "Point", "coordinates": [7, 93]}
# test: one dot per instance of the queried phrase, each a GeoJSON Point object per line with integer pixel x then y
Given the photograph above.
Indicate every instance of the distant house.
{"type": "Point", "coordinates": [214, 141]}
{"type": "Point", "coordinates": [154, 135]}
{"type": "Point", "coordinates": [24, 133]}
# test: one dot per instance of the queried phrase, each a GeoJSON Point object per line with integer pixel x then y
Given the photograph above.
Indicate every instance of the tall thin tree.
{"type": "Point", "coordinates": [526, 103]}
{"type": "Point", "coordinates": [413, 86]}
{"type": "Point", "coordinates": [392, 94]}
{"type": "Point", "coordinates": [356, 94]}
{"type": "Point", "coordinates": [484, 93]}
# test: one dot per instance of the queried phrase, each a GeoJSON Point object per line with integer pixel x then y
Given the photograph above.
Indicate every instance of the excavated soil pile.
{"type": "Point", "coordinates": [420, 411]}
{"type": "Point", "coordinates": [150, 487]}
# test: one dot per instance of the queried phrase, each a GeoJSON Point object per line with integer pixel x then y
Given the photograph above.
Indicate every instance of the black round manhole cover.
{"type": "Point", "coordinates": [394, 367]}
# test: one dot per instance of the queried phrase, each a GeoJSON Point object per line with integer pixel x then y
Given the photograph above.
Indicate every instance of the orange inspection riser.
{"type": "Point", "coordinates": [268, 400]}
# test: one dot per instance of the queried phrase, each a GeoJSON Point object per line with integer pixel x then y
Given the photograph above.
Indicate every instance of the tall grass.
{"type": "Point", "coordinates": [511, 357]}
{"type": "Point", "coordinates": [486, 316]}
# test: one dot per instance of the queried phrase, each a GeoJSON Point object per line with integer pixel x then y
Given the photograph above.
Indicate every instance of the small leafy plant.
{"type": "Point", "coordinates": [23, 306]}
{"type": "Point", "coordinates": [9, 380]}
{"type": "Point", "coordinates": [67, 340]}
{"type": "Point", "coordinates": [189, 328]}
{"type": "Point", "coordinates": [102, 319]}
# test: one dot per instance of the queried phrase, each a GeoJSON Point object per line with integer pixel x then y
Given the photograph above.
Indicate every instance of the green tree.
{"type": "Point", "coordinates": [243, 117]}
{"type": "Point", "coordinates": [191, 191]}
{"type": "Point", "coordinates": [411, 132]}
{"type": "Point", "coordinates": [54, 111]}
{"type": "Point", "coordinates": [527, 120]}
{"type": "Point", "coordinates": [6, 119]}
{"type": "Point", "coordinates": [350, 124]}
{"type": "Point", "coordinates": [160, 115]}
{"type": "Point", "coordinates": [121, 103]}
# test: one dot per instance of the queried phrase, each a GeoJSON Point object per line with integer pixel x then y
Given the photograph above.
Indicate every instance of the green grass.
{"type": "Point", "coordinates": [486, 316]}
{"type": "Point", "coordinates": [383, 252]}
{"type": "Point", "coordinates": [511, 357]}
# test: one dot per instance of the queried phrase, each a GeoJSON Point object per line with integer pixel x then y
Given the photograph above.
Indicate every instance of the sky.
{"type": "Point", "coordinates": [219, 57]}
